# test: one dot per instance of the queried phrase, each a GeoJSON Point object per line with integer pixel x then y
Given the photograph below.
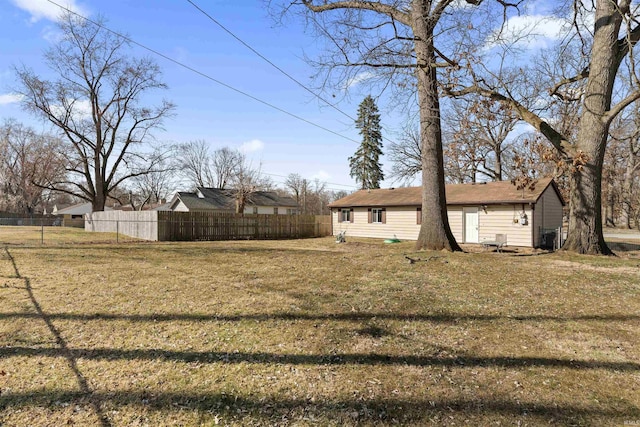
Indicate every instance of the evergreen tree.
{"type": "Point", "coordinates": [365, 163]}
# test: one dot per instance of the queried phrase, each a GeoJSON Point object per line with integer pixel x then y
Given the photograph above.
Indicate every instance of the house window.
{"type": "Point", "coordinates": [291, 211]}
{"type": "Point", "coordinates": [376, 216]}
{"type": "Point", "coordinates": [255, 209]}
{"type": "Point", "coordinates": [275, 211]}
{"type": "Point", "coordinates": [345, 215]}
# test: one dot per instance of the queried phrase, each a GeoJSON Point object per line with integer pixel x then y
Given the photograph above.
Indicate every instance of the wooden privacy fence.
{"type": "Point", "coordinates": [202, 226]}
{"type": "Point", "coordinates": [199, 226]}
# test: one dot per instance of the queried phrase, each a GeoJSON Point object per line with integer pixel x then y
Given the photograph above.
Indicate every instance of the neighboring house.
{"type": "Point", "coordinates": [75, 211]}
{"type": "Point", "coordinates": [223, 200]}
{"type": "Point", "coordinates": [476, 212]}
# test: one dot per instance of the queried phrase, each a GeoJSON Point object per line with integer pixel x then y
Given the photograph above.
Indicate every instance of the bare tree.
{"type": "Point", "coordinates": [203, 168]}
{"type": "Point", "coordinates": [395, 41]}
{"type": "Point", "coordinates": [225, 162]}
{"type": "Point", "coordinates": [29, 163]}
{"type": "Point", "coordinates": [194, 163]}
{"type": "Point", "coordinates": [245, 180]}
{"type": "Point", "coordinates": [156, 185]}
{"type": "Point", "coordinates": [405, 155]}
{"type": "Point", "coordinates": [96, 106]}
{"type": "Point", "coordinates": [621, 169]}
{"type": "Point", "coordinates": [601, 49]}
{"type": "Point", "coordinates": [480, 128]}
{"type": "Point", "coordinates": [298, 186]}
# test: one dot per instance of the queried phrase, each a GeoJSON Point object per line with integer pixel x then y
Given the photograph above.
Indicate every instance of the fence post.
{"type": "Point", "coordinates": [117, 231]}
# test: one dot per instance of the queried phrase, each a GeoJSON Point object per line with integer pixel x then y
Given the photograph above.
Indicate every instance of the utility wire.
{"type": "Point", "coordinates": [330, 183]}
{"type": "Point", "coordinates": [200, 73]}
{"type": "Point", "coordinates": [267, 60]}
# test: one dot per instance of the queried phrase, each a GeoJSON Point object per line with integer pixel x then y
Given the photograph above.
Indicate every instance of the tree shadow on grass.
{"type": "Point", "coordinates": [623, 246]}
{"type": "Point", "coordinates": [448, 318]}
{"type": "Point", "coordinates": [460, 360]}
{"type": "Point", "coordinates": [63, 348]}
{"type": "Point", "coordinates": [271, 409]}
{"type": "Point", "coordinates": [342, 411]}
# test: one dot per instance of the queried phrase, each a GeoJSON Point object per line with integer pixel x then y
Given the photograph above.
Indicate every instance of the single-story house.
{"type": "Point", "coordinates": [477, 212]}
{"type": "Point", "coordinates": [206, 199]}
{"type": "Point", "coordinates": [76, 211]}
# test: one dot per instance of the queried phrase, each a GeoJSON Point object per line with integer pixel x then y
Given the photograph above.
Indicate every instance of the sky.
{"type": "Point", "coordinates": [206, 110]}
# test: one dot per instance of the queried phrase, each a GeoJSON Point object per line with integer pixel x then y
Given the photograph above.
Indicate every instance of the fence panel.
{"type": "Point", "coordinates": [205, 226]}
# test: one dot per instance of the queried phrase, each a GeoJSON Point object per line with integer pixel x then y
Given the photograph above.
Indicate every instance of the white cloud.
{"type": "Point", "coordinates": [359, 78]}
{"type": "Point", "coordinates": [52, 34]}
{"type": "Point", "coordinates": [529, 31]}
{"type": "Point", "coordinates": [81, 110]}
{"type": "Point", "coordinates": [321, 175]}
{"type": "Point", "coordinates": [10, 98]}
{"type": "Point", "coordinates": [252, 146]}
{"type": "Point", "coordinates": [42, 9]}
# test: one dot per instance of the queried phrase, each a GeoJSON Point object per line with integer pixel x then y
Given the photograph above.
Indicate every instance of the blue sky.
{"type": "Point", "coordinates": [206, 110]}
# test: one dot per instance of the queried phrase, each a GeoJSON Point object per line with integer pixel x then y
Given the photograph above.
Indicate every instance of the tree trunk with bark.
{"type": "Point", "coordinates": [585, 216]}
{"type": "Point", "coordinates": [435, 232]}
{"type": "Point", "coordinates": [627, 186]}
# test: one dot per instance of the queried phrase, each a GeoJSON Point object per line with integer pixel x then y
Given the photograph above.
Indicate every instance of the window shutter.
{"type": "Point", "coordinates": [384, 215]}
{"type": "Point", "coordinates": [369, 216]}
{"type": "Point", "coordinates": [351, 215]}
{"type": "Point", "coordinates": [419, 216]}
{"type": "Point", "coordinates": [339, 215]}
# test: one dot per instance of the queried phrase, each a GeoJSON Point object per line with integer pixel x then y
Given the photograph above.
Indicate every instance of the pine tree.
{"type": "Point", "coordinates": [365, 163]}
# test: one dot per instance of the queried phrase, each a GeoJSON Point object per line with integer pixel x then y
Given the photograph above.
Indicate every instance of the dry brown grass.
{"type": "Point", "coordinates": [313, 333]}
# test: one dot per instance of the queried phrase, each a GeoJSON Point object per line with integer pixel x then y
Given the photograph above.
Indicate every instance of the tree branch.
{"type": "Point", "coordinates": [386, 9]}
{"type": "Point", "coordinates": [554, 90]}
{"type": "Point", "coordinates": [556, 138]}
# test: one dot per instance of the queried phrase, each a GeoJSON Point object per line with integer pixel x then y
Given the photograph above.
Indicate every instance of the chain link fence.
{"type": "Point", "coordinates": [52, 230]}
{"type": "Point", "coordinates": [109, 227]}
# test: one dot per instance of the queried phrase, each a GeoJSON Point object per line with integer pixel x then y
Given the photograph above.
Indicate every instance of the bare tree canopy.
{"type": "Point", "coordinates": [29, 162]}
{"type": "Point", "coordinates": [600, 38]}
{"type": "Point", "coordinates": [96, 104]}
{"type": "Point", "coordinates": [393, 44]}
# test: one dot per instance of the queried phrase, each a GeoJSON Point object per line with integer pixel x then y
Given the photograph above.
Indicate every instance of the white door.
{"type": "Point", "coordinates": [471, 225]}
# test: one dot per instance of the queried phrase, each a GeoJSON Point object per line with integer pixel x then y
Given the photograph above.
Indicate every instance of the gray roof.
{"type": "Point", "coordinates": [224, 200]}
{"type": "Point", "coordinates": [79, 209]}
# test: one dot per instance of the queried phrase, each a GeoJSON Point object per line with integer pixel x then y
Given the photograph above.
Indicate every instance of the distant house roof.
{"type": "Point", "coordinates": [161, 207]}
{"type": "Point", "coordinates": [206, 198]}
{"type": "Point", "coordinates": [490, 193]}
{"type": "Point", "coordinates": [78, 209]}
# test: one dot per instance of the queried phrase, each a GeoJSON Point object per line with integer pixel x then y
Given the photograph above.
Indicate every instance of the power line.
{"type": "Point", "coordinates": [200, 73]}
{"type": "Point", "coordinates": [267, 60]}
{"type": "Point", "coordinates": [245, 44]}
{"type": "Point", "coordinates": [330, 183]}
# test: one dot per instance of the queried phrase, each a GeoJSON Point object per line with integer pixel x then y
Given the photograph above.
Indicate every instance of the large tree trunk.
{"type": "Point", "coordinates": [627, 185]}
{"type": "Point", "coordinates": [585, 217]}
{"type": "Point", "coordinates": [435, 232]}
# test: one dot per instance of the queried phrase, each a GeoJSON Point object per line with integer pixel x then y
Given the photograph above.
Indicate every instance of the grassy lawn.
{"type": "Point", "coordinates": [310, 332]}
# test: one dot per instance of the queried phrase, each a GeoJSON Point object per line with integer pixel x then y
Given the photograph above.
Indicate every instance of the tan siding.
{"type": "Point", "coordinates": [548, 213]}
{"type": "Point", "coordinates": [501, 219]}
{"type": "Point", "coordinates": [456, 222]}
{"type": "Point", "coordinates": [401, 222]}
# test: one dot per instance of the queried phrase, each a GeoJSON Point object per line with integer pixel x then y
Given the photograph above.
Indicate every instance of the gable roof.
{"type": "Point", "coordinates": [490, 193]}
{"type": "Point", "coordinates": [78, 209]}
{"type": "Point", "coordinates": [222, 199]}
